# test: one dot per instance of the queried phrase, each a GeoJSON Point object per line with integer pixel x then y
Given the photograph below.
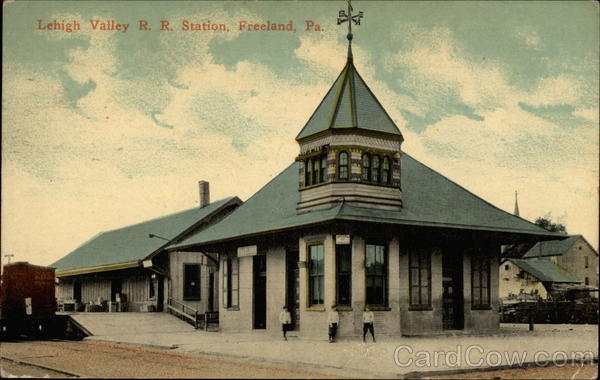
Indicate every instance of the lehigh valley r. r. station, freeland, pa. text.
{"type": "Point", "coordinates": [112, 25]}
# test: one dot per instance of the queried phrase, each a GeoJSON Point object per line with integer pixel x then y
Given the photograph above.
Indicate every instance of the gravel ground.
{"type": "Point", "coordinates": [98, 359]}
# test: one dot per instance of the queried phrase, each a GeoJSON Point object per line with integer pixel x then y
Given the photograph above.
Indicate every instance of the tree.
{"type": "Point", "coordinates": [547, 224]}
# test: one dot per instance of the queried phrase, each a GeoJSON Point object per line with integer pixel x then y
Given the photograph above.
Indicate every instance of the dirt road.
{"type": "Point", "coordinates": [98, 359]}
{"type": "Point", "coordinates": [105, 360]}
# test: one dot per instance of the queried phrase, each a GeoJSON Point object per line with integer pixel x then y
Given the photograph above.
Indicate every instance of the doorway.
{"type": "Point", "coordinates": [260, 291]}
{"type": "Point", "coordinates": [77, 291]}
{"type": "Point", "coordinates": [116, 287]}
{"type": "Point", "coordinates": [160, 296]}
{"type": "Point", "coordinates": [292, 278]}
{"type": "Point", "coordinates": [452, 296]}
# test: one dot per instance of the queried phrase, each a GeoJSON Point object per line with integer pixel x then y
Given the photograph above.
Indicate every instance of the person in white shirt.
{"type": "Point", "coordinates": [368, 319]}
{"type": "Point", "coordinates": [286, 319]}
{"type": "Point", "coordinates": [333, 319]}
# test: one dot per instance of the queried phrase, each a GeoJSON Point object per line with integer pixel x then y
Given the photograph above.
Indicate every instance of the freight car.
{"type": "Point", "coordinates": [27, 301]}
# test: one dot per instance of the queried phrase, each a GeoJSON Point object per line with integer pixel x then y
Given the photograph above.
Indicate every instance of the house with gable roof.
{"type": "Point", "coordinates": [549, 264]}
{"type": "Point", "coordinates": [575, 254]}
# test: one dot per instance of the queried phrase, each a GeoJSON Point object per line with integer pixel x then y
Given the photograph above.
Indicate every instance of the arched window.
{"type": "Point", "coordinates": [375, 168]}
{"type": "Point", "coordinates": [342, 167]}
{"type": "Point", "coordinates": [385, 170]}
{"type": "Point", "coordinates": [308, 172]}
{"type": "Point", "coordinates": [323, 168]}
{"type": "Point", "coordinates": [366, 167]}
{"type": "Point", "coordinates": [316, 170]}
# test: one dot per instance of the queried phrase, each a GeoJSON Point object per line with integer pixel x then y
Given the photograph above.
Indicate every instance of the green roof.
{"type": "Point", "coordinates": [349, 103]}
{"type": "Point", "coordinates": [544, 270]}
{"type": "Point", "coordinates": [429, 199]}
{"type": "Point", "coordinates": [552, 247]}
{"type": "Point", "coordinates": [132, 243]}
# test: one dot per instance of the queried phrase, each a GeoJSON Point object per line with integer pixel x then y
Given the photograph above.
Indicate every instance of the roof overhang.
{"type": "Point", "coordinates": [96, 269]}
{"type": "Point", "coordinates": [511, 235]}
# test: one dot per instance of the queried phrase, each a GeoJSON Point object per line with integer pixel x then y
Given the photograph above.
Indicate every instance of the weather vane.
{"type": "Point", "coordinates": [343, 17]}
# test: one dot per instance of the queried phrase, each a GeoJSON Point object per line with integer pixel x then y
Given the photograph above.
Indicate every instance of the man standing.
{"type": "Point", "coordinates": [368, 319]}
{"type": "Point", "coordinates": [286, 319]}
{"type": "Point", "coordinates": [333, 319]}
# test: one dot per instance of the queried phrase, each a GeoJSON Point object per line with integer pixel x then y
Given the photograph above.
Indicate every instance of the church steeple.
{"type": "Point", "coordinates": [516, 212]}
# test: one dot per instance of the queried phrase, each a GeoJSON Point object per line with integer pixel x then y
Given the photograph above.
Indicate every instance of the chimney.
{"type": "Point", "coordinates": [204, 193]}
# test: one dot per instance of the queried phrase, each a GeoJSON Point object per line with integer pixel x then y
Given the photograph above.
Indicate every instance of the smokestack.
{"type": "Point", "coordinates": [204, 193]}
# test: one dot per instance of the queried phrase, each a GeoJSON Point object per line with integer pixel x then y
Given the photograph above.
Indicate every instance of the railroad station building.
{"type": "Point", "coordinates": [353, 222]}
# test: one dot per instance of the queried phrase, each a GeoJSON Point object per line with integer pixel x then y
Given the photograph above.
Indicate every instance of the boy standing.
{"type": "Point", "coordinates": [368, 319]}
{"type": "Point", "coordinates": [333, 319]}
{"type": "Point", "coordinates": [286, 319]}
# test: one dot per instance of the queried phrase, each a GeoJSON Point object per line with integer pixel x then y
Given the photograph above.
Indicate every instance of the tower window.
{"type": "Point", "coordinates": [323, 168]}
{"type": "Point", "coordinates": [315, 170]}
{"type": "Point", "coordinates": [366, 167]}
{"type": "Point", "coordinates": [343, 165]}
{"type": "Point", "coordinates": [385, 170]}
{"type": "Point", "coordinates": [308, 172]}
{"type": "Point", "coordinates": [316, 164]}
{"type": "Point", "coordinates": [375, 168]}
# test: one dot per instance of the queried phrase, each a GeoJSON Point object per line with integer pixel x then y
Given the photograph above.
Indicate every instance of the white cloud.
{"type": "Point", "coordinates": [95, 166]}
{"type": "Point", "coordinates": [590, 114]}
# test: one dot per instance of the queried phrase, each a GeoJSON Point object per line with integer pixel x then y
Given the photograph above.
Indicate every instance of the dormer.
{"type": "Point", "coordinates": [349, 149]}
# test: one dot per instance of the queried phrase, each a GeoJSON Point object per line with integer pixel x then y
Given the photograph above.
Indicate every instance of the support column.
{"type": "Point", "coordinates": [358, 281]}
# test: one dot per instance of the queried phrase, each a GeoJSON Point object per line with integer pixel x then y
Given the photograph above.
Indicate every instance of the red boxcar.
{"type": "Point", "coordinates": [27, 299]}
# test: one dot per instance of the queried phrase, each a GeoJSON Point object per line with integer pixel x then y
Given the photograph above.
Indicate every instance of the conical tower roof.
{"type": "Point", "coordinates": [349, 103]}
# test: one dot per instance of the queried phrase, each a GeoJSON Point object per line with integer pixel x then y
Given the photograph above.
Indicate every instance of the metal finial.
{"type": "Point", "coordinates": [342, 18]}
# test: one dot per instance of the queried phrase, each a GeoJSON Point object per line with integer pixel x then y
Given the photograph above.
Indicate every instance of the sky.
{"type": "Point", "coordinates": [102, 129]}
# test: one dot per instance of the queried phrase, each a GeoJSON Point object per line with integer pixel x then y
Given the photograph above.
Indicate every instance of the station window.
{"type": "Point", "coordinates": [376, 274]}
{"type": "Point", "coordinates": [316, 274]}
{"type": "Point", "coordinates": [420, 278]}
{"type": "Point", "coordinates": [343, 264]}
{"type": "Point", "coordinates": [231, 282]}
{"type": "Point", "coordinates": [480, 280]}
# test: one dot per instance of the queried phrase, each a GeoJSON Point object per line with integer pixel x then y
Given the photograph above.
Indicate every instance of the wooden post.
{"type": "Point", "coordinates": [531, 326]}
{"type": "Point", "coordinates": [196, 319]}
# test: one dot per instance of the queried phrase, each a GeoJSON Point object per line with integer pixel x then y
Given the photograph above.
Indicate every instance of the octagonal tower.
{"type": "Point", "coordinates": [350, 149]}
